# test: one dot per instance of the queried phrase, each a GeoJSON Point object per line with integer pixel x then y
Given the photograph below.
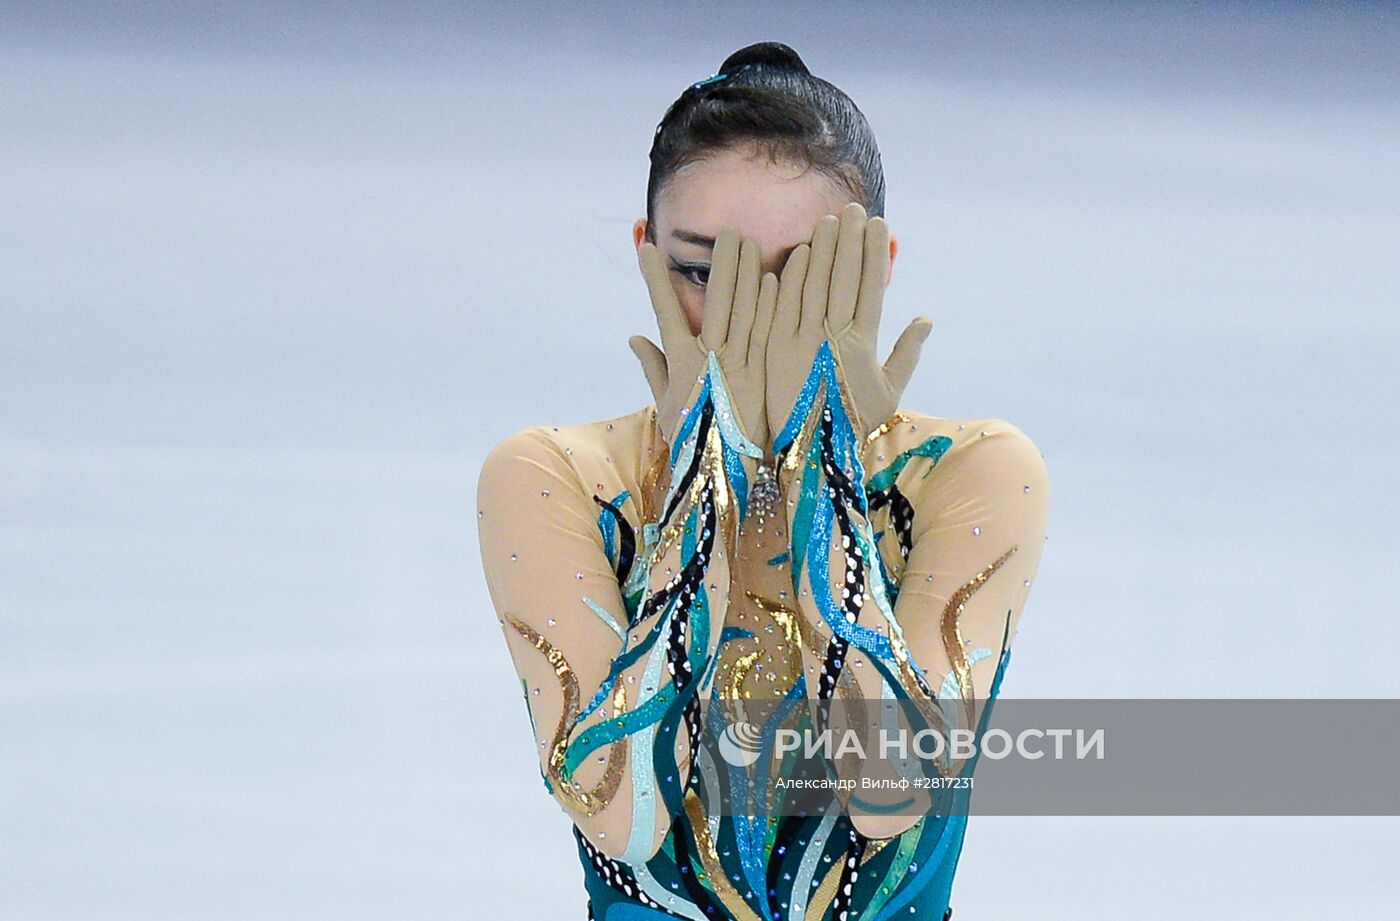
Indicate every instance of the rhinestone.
{"type": "Point", "coordinates": [976, 529]}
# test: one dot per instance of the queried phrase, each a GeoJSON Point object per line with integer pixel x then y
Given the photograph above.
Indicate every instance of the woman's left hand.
{"type": "Point", "coordinates": [834, 289]}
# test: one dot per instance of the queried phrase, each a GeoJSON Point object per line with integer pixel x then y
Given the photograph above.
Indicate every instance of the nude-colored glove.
{"type": "Point", "coordinates": [834, 289]}
{"type": "Point", "coordinates": [739, 308]}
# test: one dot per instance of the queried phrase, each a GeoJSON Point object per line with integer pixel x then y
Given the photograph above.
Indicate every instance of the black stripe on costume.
{"type": "Point", "coordinates": [627, 541]}
{"type": "Point", "coordinates": [702, 431]}
{"type": "Point", "coordinates": [850, 873]}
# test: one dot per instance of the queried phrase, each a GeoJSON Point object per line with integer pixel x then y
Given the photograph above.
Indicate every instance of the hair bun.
{"type": "Point", "coordinates": [770, 54]}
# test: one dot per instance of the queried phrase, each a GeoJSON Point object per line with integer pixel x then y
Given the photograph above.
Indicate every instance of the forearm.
{"type": "Point", "coordinates": [857, 654]}
{"type": "Point", "coordinates": [621, 754]}
{"type": "Point", "coordinates": [838, 575]}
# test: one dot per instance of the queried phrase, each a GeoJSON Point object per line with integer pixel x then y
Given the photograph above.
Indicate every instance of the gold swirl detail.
{"type": "Point", "coordinates": [952, 635]}
{"type": "Point", "coordinates": [586, 802]}
{"type": "Point", "coordinates": [718, 880]}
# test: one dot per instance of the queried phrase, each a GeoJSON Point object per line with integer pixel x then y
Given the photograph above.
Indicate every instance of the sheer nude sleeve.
{"type": "Point", "coordinates": [912, 575]}
{"type": "Point", "coordinates": [614, 634]}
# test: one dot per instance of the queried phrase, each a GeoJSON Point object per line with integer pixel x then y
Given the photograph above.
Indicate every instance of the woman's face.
{"type": "Point", "coordinates": [776, 204]}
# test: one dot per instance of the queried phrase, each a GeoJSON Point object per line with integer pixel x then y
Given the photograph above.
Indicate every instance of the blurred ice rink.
{"type": "Point", "coordinates": [273, 279]}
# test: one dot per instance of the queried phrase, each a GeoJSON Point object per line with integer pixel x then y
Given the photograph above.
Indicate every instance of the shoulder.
{"type": "Point", "coordinates": [984, 450]}
{"type": "Point", "coordinates": [560, 452]}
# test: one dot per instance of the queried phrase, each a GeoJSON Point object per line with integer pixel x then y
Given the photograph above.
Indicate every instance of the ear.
{"type": "Point", "coordinates": [894, 249]}
{"type": "Point", "coordinates": [639, 232]}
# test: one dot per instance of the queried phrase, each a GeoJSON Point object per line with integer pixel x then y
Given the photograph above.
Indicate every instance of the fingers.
{"type": "Point", "coordinates": [763, 319]}
{"type": "Point", "coordinates": [846, 268]}
{"type": "Point", "coordinates": [874, 275]}
{"type": "Point", "coordinates": [789, 307]}
{"type": "Point", "coordinates": [818, 282]}
{"type": "Point", "coordinates": [741, 322]}
{"type": "Point", "coordinates": [653, 363]}
{"type": "Point", "coordinates": [670, 318]}
{"type": "Point", "coordinates": [905, 354]}
{"type": "Point", "coordinates": [719, 290]}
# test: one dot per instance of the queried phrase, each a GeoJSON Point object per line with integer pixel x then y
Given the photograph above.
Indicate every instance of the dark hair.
{"type": "Point", "coordinates": [764, 93]}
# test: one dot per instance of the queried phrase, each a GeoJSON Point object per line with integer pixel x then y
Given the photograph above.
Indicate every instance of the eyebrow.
{"type": "Point", "coordinates": [699, 239]}
{"type": "Point", "coordinates": [690, 236]}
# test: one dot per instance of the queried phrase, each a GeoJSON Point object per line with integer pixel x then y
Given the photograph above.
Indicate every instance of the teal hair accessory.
{"type": "Point", "coordinates": [708, 80]}
{"type": "Point", "coordinates": [694, 86]}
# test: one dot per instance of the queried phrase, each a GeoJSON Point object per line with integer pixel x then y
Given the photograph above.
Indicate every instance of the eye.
{"type": "Point", "coordinates": [697, 273]}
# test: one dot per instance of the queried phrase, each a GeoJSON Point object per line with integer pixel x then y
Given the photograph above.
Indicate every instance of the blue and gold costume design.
{"type": "Point", "coordinates": [636, 581]}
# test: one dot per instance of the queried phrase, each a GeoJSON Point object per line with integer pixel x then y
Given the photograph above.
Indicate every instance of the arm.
{"type": "Point", "coordinates": [611, 659]}
{"type": "Point", "coordinates": [928, 617]}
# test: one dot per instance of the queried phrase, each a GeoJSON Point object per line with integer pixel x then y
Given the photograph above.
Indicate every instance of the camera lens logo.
{"type": "Point", "coordinates": [740, 743]}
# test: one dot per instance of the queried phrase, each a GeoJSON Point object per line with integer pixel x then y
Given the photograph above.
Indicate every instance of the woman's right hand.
{"type": "Point", "coordinates": [739, 308]}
